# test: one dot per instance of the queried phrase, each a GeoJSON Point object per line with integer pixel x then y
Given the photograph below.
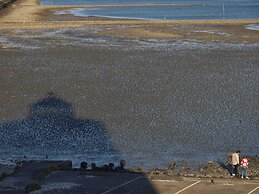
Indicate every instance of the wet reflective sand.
{"type": "Point", "coordinates": [159, 100]}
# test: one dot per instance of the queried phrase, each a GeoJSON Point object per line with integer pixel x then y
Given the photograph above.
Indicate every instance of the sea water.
{"type": "Point", "coordinates": [196, 10]}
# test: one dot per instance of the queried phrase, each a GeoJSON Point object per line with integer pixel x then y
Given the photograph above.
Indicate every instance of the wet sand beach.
{"type": "Point", "coordinates": [30, 15]}
{"type": "Point", "coordinates": [165, 90]}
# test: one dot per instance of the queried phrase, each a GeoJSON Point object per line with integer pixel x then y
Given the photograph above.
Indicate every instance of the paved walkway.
{"type": "Point", "coordinates": [104, 182]}
{"type": "Point", "coordinates": [205, 186]}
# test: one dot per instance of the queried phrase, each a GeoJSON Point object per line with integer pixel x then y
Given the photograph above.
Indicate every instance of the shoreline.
{"type": "Point", "coordinates": [29, 15]}
{"type": "Point", "coordinates": [116, 5]}
{"type": "Point", "coordinates": [30, 11]}
{"type": "Point", "coordinates": [210, 169]}
{"type": "Point", "coordinates": [41, 176]}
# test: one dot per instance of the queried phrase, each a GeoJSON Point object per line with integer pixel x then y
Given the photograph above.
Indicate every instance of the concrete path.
{"type": "Point", "coordinates": [56, 177]}
{"type": "Point", "coordinates": [204, 186]}
{"type": "Point", "coordinates": [62, 179]}
{"type": "Point", "coordinates": [65, 182]}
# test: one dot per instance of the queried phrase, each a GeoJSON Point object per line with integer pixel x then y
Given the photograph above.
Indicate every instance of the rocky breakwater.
{"type": "Point", "coordinates": [210, 170]}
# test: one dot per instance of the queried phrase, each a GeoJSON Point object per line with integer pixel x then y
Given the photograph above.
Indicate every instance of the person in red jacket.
{"type": "Point", "coordinates": [244, 167]}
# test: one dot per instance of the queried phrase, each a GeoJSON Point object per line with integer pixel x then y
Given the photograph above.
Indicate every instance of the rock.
{"type": "Point", "coordinates": [33, 186]}
{"type": "Point", "coordinates": [136, 169]}
{"type": "Point", "coordinates": [122, 164]}
{"type": "Point", "coordinates": [94, 166]}
{"type": "Point", "coordinates": [83, 165]}
{"type": "Point", "coordinates": [170, 172]}
{"type": "Point", "coordinates": [172, 165]}
{"type": "Point", "coordinates": [111, 166]}
{"type": "Point", "coordinates": [105, 167]}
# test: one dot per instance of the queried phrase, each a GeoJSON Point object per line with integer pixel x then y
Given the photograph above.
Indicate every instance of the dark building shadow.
{"type": "Point", "coordinates": [51, 128]}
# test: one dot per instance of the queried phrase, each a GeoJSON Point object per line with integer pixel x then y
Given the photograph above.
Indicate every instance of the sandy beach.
{"type": "Point", "coordinates": [163, 89]}
{"type": "Point", "coordinates": [28, 14]}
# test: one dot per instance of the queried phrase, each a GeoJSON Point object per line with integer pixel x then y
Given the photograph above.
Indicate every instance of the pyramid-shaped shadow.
{"type": "Point", "coordinates": [51, 129]}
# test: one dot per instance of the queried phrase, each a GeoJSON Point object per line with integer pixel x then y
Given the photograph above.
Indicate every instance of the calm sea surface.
{"type": "Point", "coordinates": [203, 10]}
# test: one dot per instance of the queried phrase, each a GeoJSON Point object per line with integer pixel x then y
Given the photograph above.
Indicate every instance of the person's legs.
{"type": "Point", "coordinates": [243, 173]}
{"type": "Point", "coordinates": [235, 169]}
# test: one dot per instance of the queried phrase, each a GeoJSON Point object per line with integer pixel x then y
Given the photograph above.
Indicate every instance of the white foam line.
{"type": "Point", "coordinates": [252, 27]}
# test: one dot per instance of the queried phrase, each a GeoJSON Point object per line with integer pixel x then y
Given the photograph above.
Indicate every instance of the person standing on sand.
{"type": "Point", "coordinates": [235, 162]}
{"type": "Point", "coordinates": [244, 167]}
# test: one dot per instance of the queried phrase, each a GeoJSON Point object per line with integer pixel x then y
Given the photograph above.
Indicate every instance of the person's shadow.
{"type": "Point", "coordinates": [51, 129]}
{"type": "Point", "coordinates": [227, 166]}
